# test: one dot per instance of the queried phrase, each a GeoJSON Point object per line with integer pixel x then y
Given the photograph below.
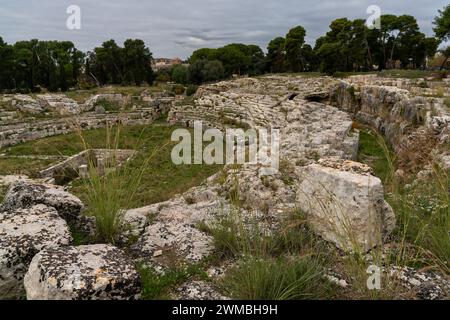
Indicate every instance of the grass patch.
{"type": "Point", "coordinates": [81, 96]}
{"type": "Point", "coordinates": [3, 190]}
{"type": "Point", "coordinates": [161, 179]}
{"type": "Point", "coordinates": [447, 102]}
{"type": "Point", "coordinates": [408, 74]}
{"type": "Point", "coordinates": [349, 74]}
{"type": "Point", "coordinates": [108, 106]}
{"type": "Point", "coordinates": [23, 166]}
{"type": "Point", "coordinates": [286, 265]}
{"type": "Point", "coordinates": [373, 151]}
{"type": "Point", "coordinates": [157, 287]}
{"type": "Point", "coordinates": [423, 214]}
{"type": "Point", "coordinates": [277, 279]}
{"type": "Point", "coordinates": [422, 208]}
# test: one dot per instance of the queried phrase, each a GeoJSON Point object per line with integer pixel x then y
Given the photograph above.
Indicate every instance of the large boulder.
{"type": "Point", "coordinates": [345, 204]}
{"type": "Point", "coordinates": [167, 241]}
{"type": "Point", "coordinates": [59, 103]}
{"type": "Point", "coordinates": [27, 104]}
{"type": "Point", "coordinates": [23, 233]}
{"type": "Point", "coordinates": [25, 194]}
{"type": "Point", "coordinates": [94, 272]}
{"type": "Point", "coordinates": [115, 98]}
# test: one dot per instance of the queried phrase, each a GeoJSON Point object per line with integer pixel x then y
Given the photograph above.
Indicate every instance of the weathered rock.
{"type": "Point", "coordinates": [26, 103]}
{"type": "Point", "coordinates": [116, 98]}
{"type": "Point", "coordinates": [23, 233]}
{"type": "Point", "coordinates": [399, 109]}
{"type": "Point", "coordinates": [345, 204]}
{"type": "Point", "coordinates": [427, 285]}
{"type": "Point", "coordinates": [198, 290]}
{"type": "Point", "coordinates": [59, 103]}
{"type": "Point", "coordinates": [95, 272]}
{"type": "Point", "coordinates": [25, 194]}
{"type": "Point", "coordinates": [179, 242]}
{"type": "Point", "coordinates": [318, 96]}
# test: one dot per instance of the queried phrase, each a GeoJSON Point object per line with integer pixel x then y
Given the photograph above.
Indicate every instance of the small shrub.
{"type": "Point", "coordinates": [447, 102]}
{"type": "Point", "coordinates": [3, 190]}
{"type": "Point", "coordinates": [191, 90]}
{"type": "Point", "coordinates": [178, 89]}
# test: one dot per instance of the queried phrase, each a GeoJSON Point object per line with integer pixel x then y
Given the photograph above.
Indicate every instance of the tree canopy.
{"type": "Point", "coordinates": [28, 65]}
{"type": "Point", "coordinates": [111, 64]}
{"type": "Point", "coordinates": [442, 24]}
{"type": "Point", "coordinates": [348, 45]}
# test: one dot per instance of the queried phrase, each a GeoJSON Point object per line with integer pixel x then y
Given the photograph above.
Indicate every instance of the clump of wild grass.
{"type": "Point", "coordinates": [283, 278]}
{"type": "Point", "coordinates": [157, 286]}
{"type": "Point", "coordinates": [422, 235]}
{"type": "Point", "coordinates": [109, 193]}
{"type": "Point", "coordinates": [423, 214]}
{"type": "Point", "coordinates": [447, 102]}
{"type": "Point", "coordinates": [282, 265]}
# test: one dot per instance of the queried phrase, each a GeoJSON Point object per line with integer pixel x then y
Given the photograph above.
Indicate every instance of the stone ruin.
{"type": "Point", "coordinates": [343, 200]}
{"type": "Point", "coordinates": [24, 118]}
{"type": "Point", "coordinates": [77, 166]}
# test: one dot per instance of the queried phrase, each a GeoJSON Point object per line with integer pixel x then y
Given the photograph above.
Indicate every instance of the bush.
{"type": "Point", "coordinates": [178, 89]}
{"type": "Point", "coordinates": [179, 74]}
{"type": "Point", "coordinates": [191, 90]}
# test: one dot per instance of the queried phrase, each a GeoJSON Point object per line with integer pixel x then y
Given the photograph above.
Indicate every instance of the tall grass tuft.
{"type": "Point", "coordinates": [422, 210]}
{"type": "Point", "coordinates": [286, 264]}
{"type": "Point", "coordinates": [423, 213]}
{"type": "Point", "coordinates": [110, 191]}
{"type": "Point", "coordinates": [283, 278]}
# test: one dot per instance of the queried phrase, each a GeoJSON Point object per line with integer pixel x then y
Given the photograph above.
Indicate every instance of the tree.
{"type": "Point", "coordinates": [212, 71]}
{"type": "Point", "coordinates": [236, 58]}
{"type": "Point", "coordinates": [328, 54]}
{"type": "Point", "coordinates": [442, 24]}
{"type": "Point", "coordinates": [179, 74]}
{"type": "Point", "coordinates": [195, 72]}
{"type": "Point", "coordinates": [7, 66]}
{"type": "Point", "coordinates": [111, 64]}
{"type": "Point", "coordinates": [257, 60]}
{"type": "Point", "coordinates": [205, 71]}
{"type": "Point", "coordinates": [276, 55]}
{"type": "Point", "coordinates": [202, 54]}
{"type": "Point", "coordinates": [295, 40]}
{"type": "Point", "coordinates": [446, 54]}
{"type": "Point", "coordinates": [137, 60]}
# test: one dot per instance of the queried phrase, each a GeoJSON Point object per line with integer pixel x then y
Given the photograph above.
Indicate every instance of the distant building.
{"type": "Point", "coordinates": [164, 63]}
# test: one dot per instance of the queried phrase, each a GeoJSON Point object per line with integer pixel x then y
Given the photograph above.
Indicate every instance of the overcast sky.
{"type": "Point", "coordinates": [174, 28]}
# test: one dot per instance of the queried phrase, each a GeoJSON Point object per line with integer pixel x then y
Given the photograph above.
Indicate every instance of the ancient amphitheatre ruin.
{"type": "Point", "coordinates": [328, 196]}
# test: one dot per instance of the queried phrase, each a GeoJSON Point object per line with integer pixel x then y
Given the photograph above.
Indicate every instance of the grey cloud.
{"type": "Point", "coordinates": [176, 27]}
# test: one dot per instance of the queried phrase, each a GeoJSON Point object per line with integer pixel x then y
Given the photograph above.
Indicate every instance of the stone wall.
{"type": "Point", "coordinates": [27, 131]}
{"type": "Point", "coordinates": [401, 116]}
{"type": "Point", "coordinates": [85, 157]}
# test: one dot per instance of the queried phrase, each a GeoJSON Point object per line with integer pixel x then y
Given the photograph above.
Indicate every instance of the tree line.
{"type": "Point", "coordinates": [58, 65]}
{"type": "Point", "coordinates": [349, 45]}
